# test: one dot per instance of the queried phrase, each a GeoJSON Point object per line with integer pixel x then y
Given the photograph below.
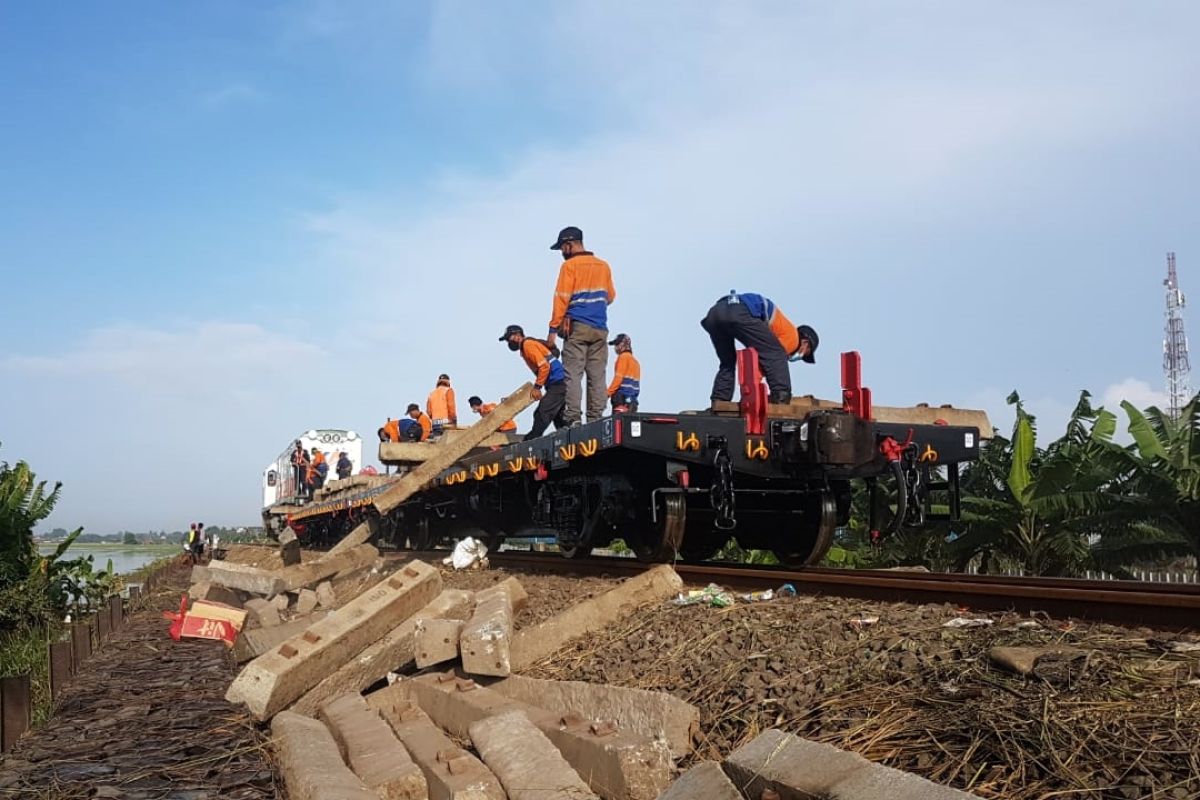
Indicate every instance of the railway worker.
{"type": "Point", "coordinates": [424, 425]}
{"type": "Point", "coordinates": [317, 470]}
{"type": "Point", "coordinates": [300, 468]}
{"type": "Point", "coordinates": [344, 466]}
{"type": "Point", "coordinates": [483, 409]}
{"type": "Point", "coordinates": [440, 405]}
{"type": "Point", "coordinates": [390, 432]}
{"type": "Point", "coordinates": [189, 542]}
{"type": "Point", "coordinates": [756, 322]}
{"type": "Point", "coordinates": [550, 381]}
{"type": "Point", "coordinates": [627, 376]}
{"type": "Point", "coordinates": [580, 315]}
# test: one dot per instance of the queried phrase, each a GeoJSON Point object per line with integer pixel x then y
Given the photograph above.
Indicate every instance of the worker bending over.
{"type": "Point", "coordinates": [549, 385]}
{"type": "Point", "coordinates": [580, 315]}
{"type": "Point", "coordinates": [756, 322]}
{"type": "Point", "coordinates": [440, 405]}
{"type": "Point", "coordinates": [627, 376]}
{"type": "Point", "coordinates": [483, 409]}
{"type": "Point", "coordinates": [424, 427]}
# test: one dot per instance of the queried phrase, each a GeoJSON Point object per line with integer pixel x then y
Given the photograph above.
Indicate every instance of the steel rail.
{"type": "Point", "coordinates": [1155, 605]}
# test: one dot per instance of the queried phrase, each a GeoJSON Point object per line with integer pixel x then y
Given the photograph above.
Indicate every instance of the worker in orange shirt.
{"type": "Point", "coordinates": [317, 470]}
{"type": "Point", "coordinates": [550, 381]}
{"type": "Point", "coordinates": [580, 315]}
{"type": "Point", "coordinates": [390, 432]}
{"type": "Point", "coordinates": [626, 382]}
{"type": "Point", "coordinates": [441, 406]}
{"type": "Point", "coordinates": [756, 322]}
{"type": "Point", "coordinates": [483, 409]}
{"type": "Point", "coordinates": [424, 427]}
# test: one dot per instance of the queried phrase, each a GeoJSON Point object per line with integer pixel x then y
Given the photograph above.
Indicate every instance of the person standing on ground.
{"type": "Point", "coordinates": [756, 322]}
{"type": "Point", "coordinates": [440, 405]}
{"type": "Point", "coordinates": [549, 384]}
{"type": "Point", "coordinates": [198, 546]}
{"type": "Point", "coordinates": [580, 315]}
{"type": "Point", "coordinates": [189, 543]}
{"type": "Point", "coordinates": [627, 376]}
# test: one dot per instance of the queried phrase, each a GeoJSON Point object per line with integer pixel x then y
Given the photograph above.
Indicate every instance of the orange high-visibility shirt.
{"type": "Point", "coordinates": [392, 430]}
{"type": "Point", "coordinates": [583, 293]}
{"type": "Point", "coordinates": [426, 426]}
{"type": "Point", "coordinates": [537, 358]}
{"type": "Point", "coordinates": [627, 376]}
{"type": "Point", "coordinates": [441, 407]}
{"type": "Point", "coordinates": [488, 408]}
{"type": "Point", "coordinates": [784, 331]}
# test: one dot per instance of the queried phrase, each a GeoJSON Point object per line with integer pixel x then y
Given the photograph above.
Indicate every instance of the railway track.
{"type": "Point", "coordinates": [1157, 605]}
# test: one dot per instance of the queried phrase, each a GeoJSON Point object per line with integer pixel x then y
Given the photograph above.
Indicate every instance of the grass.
{"type": "Point", "coordinates": [27, 652]}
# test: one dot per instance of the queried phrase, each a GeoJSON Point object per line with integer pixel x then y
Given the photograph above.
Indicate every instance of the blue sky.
{"type": "Point", "coordinates": [222, 224]}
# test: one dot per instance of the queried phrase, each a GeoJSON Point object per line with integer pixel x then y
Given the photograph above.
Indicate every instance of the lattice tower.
{"type": "Point", "coordinates": [1176, 368]}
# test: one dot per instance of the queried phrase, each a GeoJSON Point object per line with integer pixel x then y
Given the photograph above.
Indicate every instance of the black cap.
{"type": "Point", "coordinates": [813, 340]}
{"type": "Point", "coordinates": [443, 377]}
{"type": "Point", "coordinates": [510, 330]}
{"type": "Point", "coordinates": [568, 234]}
{"type": "Point", "coordinates": [474, 400]}
{"type": "Point", "coordinates": [412, 407]}
{"type": "Point", "coordinates": [622, 337]}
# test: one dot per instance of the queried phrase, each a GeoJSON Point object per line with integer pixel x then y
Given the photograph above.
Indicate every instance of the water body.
{"type": "Point", "coordinates": [125, 559]}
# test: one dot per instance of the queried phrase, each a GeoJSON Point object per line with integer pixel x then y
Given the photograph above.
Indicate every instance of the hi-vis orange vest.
{"type": "Point", "coordinates": [488, 408]}
{"type": "Point", "coordinates": [391, 430]}
{"type": "Point", "coordinates": [441, 407]}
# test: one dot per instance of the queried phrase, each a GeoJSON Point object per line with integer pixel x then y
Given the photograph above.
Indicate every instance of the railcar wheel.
{"type": "Point", "coordinates": [815, 535]}
{"type": "Point", "coordinates": [420, 537]}
{"type": "Point", "coordinates": [660, 542]}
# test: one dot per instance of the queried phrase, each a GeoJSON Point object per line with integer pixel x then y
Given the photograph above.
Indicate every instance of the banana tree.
{"type": "Point", "coordinates": [24, 502]}
{"type": "Point", "coordinates": [1159, 475]}
{"type": "Point", "coordinates": [1037, 509]}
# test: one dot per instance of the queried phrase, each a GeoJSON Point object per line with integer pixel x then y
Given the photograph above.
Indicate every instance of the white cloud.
{"type": "Point", "coordinates": [1139, 393]}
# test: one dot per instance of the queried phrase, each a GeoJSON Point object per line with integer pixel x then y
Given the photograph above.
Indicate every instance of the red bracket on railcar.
{"type": "Point", "coordinates": [753, 405]}
{"type": "Point", "coordinates": [856, 398]}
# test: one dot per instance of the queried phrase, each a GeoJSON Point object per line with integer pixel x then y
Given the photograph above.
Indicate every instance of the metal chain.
{"type": "Point", "coordinates": [721, 492]}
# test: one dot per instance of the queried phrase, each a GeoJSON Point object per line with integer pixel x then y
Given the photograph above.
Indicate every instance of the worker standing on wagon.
{"type": "Point", "coordinates": [424, 427]}
{"type": "Point", "coordinates": [300, 468]}
{"type": "Point", "coordinates": [440, 405]}
{"type": "Point", "coordinates": [580, 315]}
{"type": "Point", "coordinates": [756, 322]}
{"type": "Point", "coordinates": [549, 385]}
{"type": "Point", "coordinates": [626, 382]}
{"type": "Point", "coordinates": [344, 466]}
{"type": "Point", "coordinates": [317, 470]}
{"type": "Point", "coordinates": [483, 409]}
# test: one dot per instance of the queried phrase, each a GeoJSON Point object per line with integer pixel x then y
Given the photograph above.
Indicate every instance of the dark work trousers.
{"type": "Point", "coordinates": [729, 322]}
{"type": "Point", "coordinates": [549, 409]}
{"type": "Point", "coordinates": [585, 354]}
{"type": "Point", "coordinates": [631, 406]}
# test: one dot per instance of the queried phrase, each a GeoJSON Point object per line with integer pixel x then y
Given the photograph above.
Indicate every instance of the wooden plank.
{"type": "Point", "coordinates": [921, 414]}
{"type": "Point", "coordinates": [452, 451]}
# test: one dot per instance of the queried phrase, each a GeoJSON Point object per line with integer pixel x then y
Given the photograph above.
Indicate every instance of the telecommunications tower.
{"type": "Point", "coordinates": [1175, 349]}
